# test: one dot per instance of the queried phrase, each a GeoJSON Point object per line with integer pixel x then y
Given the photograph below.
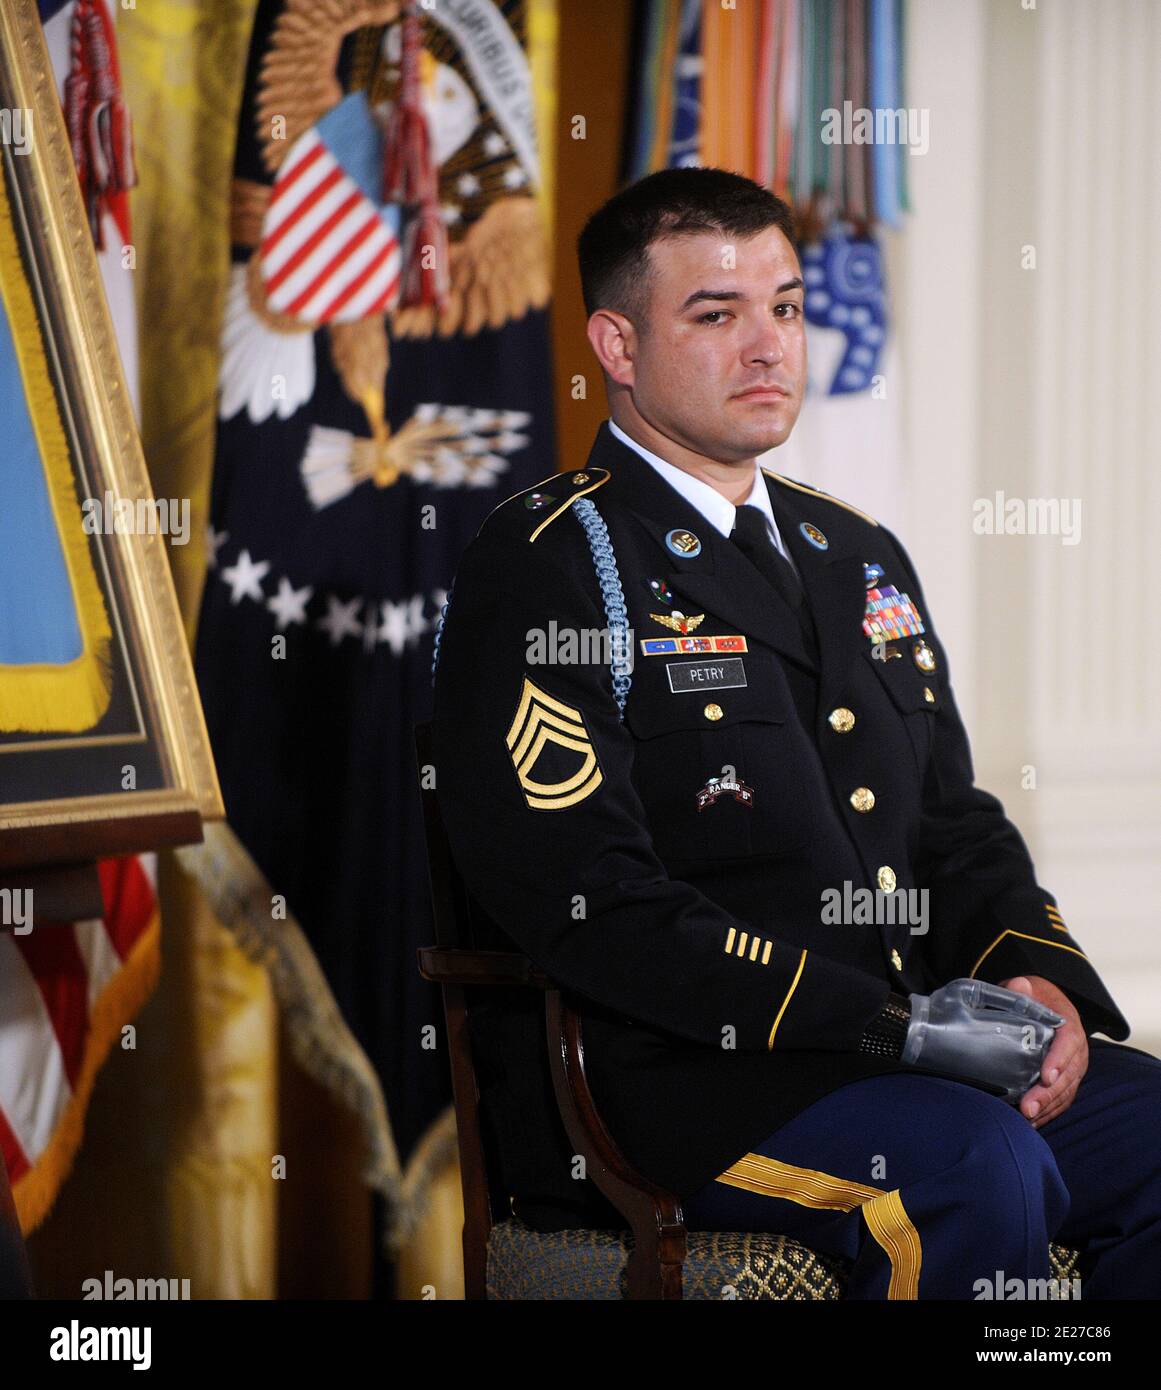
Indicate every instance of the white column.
{"type": "Point", "coordinates": [1033, 382]}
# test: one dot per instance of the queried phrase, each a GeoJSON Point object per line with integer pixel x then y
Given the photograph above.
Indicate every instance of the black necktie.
{"type": "Point", "coordinates": [752, 537]}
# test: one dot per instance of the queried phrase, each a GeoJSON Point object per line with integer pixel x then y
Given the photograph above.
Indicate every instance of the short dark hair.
{"type": "Point", "coordinates": [613, 247]}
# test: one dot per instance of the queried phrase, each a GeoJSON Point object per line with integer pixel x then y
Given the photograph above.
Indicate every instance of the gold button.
{"type": "Point", "coordinates": [928, 695]}
{"type": "Point", "coordinates": [713, 711]}
{"type": "Point", "coordinates": [841, 720]}
{"type": "Point", "coordinates": [862, 798]}
{"type": "Point", "coordinates": [886, 878]}
{"type": "Point", "coordinates": [580, 478]}
{"type": "Point", "coordinates": [897, 960]}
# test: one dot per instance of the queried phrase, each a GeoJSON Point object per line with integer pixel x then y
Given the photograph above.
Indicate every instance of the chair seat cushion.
{"type": "Point", "coordinates": [583, 1264]}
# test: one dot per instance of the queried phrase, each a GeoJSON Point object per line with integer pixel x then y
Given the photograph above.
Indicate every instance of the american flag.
{"type": "Point", "coordinates": [66, 992]}
{"type": "Point", "coordinates": [329, 252]}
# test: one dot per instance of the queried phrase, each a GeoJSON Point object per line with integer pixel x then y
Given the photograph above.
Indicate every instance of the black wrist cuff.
{"type": "Point", "coordinates": [886, 1033]}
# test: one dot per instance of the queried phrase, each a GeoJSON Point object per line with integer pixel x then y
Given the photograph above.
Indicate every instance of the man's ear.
{"type": "Point", "coordinates": [614, 340]}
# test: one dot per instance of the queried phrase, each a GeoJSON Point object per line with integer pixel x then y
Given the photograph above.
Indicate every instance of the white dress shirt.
{"type": "Point", "coordinates": [716, 509]}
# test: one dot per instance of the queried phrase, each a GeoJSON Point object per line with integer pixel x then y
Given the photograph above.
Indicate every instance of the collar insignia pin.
{"type": "Point", "coordinates": [924, 656]}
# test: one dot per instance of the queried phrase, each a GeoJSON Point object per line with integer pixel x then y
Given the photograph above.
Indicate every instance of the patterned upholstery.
{"type": "Point", "coordinates": [528, 1264]}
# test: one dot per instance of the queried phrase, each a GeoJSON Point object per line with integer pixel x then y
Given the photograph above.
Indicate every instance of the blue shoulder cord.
{"type": "Point", "coordinates": [616, 614]}
{"type": "Point", "coordinates": [612, 594]}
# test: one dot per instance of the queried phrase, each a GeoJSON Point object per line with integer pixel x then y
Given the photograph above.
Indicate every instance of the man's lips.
{"type": "Point", "coordinates": [760, 393]}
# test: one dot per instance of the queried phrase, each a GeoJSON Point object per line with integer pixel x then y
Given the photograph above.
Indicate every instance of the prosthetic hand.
{"type": "Point", "coordinates": [973, 1029]}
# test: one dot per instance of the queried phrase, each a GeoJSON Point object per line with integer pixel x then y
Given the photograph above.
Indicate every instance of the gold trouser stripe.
{"type": "Point", "coordinates": [886, 1217]}
{"type": "Point", "coordinates": [1026, 936]}
{"type": "Point", "coordinates": [888, 1222]}
{"type": "Point", "coordinates": [789, 992]}
{"type": "Point", "coordinates": [808, 1187]}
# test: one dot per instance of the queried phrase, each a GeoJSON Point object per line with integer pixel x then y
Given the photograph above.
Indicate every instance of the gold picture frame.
{"type": "Point", "coordinates": [103, 746]}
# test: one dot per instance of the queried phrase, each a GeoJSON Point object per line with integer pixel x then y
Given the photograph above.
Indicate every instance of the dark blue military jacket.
{"type": "Point", "coordinates": [720, 875]}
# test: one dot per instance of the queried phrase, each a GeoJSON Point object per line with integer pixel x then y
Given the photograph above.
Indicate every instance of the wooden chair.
{"type": "Point", "coordinates": [655, 1257]}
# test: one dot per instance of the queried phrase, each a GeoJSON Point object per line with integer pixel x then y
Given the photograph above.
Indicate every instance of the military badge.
{"type": "Point", "coordinates": [890, 615]}
{"type": "Point", "coordinates": [542, 724]}
{"type": "Point", "coordinates": [923, 655]}
{"type": "Point", "coordinates": [678, 622]}
{"type": "Point", "coordinates": [814, 535]}
{"type": "Point", "coordinates": [724, 786]}
{"type": "Point", "coordinates": [661, 591]}
{"type": "Point", "coordinates": [872, 573]}
{"type": "Point", "coordinates": [535, 500]}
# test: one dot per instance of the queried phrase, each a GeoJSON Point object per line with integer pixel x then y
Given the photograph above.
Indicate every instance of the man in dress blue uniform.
{"type": "Point", "coordinates": [822, 991]}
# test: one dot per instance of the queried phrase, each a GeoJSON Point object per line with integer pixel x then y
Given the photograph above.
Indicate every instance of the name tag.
{"type": "Point", "coordinates": [706, 675]}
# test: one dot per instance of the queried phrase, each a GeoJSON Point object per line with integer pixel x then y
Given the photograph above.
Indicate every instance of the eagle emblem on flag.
{"type": "Point", "coordinates": [408, 199]}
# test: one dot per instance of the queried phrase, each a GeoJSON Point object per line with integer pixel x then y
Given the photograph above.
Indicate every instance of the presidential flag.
{"type": "Point", "coordinates": [385, 382]}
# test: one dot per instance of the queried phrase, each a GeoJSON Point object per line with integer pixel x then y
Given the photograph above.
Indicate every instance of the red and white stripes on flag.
{"type": "Point", "coordinates": [66, 992]}
{"type": "Point", "coordinates": [327, 253]}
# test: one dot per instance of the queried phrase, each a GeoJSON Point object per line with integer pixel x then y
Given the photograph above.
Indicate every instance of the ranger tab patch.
{"type": "Point", "coordinates": [724, 786]}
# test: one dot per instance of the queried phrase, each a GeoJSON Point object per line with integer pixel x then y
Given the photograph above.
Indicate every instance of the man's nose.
{"type": "Point", "coordinates": [766, 344]}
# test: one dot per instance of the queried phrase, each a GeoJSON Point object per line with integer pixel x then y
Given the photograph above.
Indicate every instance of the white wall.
{"type": "Point", "coordinates": [1044, 134]}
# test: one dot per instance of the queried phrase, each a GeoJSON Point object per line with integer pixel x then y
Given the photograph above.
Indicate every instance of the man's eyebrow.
{"type": "Point", "coordinates": [723, 295]}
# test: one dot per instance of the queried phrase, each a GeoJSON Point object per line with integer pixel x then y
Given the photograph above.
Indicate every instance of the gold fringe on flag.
{"type": "Point", "coordinates": [122, 999]}
{"type": "Point", "coordinates": [44, 697]}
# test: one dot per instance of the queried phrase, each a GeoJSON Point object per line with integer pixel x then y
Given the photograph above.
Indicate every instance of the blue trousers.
{"type": "Point", "coordinates": [930, 1185]}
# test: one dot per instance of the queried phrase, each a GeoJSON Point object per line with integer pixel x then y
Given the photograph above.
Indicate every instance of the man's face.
{"type": "Point", "coordinates": [724, 318]}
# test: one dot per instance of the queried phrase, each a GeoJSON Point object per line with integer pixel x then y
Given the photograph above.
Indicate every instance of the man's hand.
{"type": "Point", "coordinates": [1067, 1058]}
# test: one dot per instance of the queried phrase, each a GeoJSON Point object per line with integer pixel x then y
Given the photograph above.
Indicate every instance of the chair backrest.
{"type": "Point", "coordinates": [451, 908]}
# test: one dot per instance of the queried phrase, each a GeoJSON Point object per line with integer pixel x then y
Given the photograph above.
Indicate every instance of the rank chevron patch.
{"type": "Point", "coordinates": [542, 722]}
